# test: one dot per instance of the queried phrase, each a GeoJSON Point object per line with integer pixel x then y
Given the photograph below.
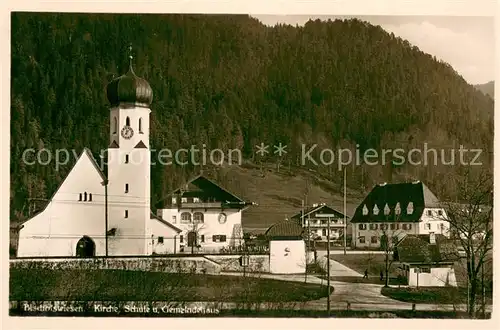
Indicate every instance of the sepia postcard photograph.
{"type": "Point", "coordinates": [222, 165]}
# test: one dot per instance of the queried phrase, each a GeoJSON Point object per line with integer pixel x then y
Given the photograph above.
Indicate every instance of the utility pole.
{"type": "Point", "coordinates": [345, 217]}
{"type": "Point", "coordinates": [328, 216]}
{"type": "Point", "coordinates": [105, 183]}
{"type": "Point", "coordinates": [328, 265]}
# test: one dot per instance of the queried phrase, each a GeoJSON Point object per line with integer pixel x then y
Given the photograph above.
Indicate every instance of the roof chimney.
{"type": "Point", "coordinates": [432, 238]}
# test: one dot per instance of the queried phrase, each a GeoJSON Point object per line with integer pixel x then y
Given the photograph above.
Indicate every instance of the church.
{"type": "Point", "coordinates": [92, 214]}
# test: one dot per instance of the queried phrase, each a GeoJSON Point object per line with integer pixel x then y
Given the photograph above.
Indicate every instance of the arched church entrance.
{"type": "Point", "coordinates": [85, 247]}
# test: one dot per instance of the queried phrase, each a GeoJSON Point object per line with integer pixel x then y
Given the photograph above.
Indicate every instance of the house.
{"type": "Point", "coordinates": [390, 211]}
{"type": "Point", "coordinates": [317, 226]}
{"type": "Point", "coordinates": [427, 260]}
{"type": "Point", "coordinates": [287, 249]}
{"type": "Point", "coordinates": [208, 215]}
{"type": "Point", "coordinates": [93, 214]}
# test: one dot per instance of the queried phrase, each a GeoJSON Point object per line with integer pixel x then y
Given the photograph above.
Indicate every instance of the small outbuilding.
{"type": "Point", "coordinates": [427, 260]}
{"type": "Point", "coordinates": [287, 248]}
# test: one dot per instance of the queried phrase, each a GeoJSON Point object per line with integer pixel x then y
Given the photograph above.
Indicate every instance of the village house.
{"type": "Point", "coordinates": [93, 214]}
{"type": "Point", "coordinates": [391, 211]}
{"type": "Point", "coordinates": [318, 226]}
{"type": "Point", "coordinates": [427, 260]}
{"type": "Point", "coordinates": [209, 216]}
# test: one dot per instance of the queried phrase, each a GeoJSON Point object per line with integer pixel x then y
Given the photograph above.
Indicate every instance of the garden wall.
{"type": "Point", "coordinates": [209, 264]}
{"type": "Point", "coordinates": [231, 263]}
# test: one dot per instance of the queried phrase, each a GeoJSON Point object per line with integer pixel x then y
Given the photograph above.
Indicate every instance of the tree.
{"type": "Point", "coordinates": [388, 235]}
{"type": "Point", "coordinates": [388, 240]}
{"type": "Point", "coordinates": [471, 224]}
{"type": "Point", "coordinates": [195, 227]}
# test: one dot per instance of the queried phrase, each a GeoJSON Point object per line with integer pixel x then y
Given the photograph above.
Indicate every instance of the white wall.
{"type": "Point", "coordinates": [210, 227]}
{"type": "Point", "coordinates": [56, 230]}
{"type": "Point", "coordinates": [287, 257]}
{"type": "Point", "coordinates": [369, 233]}
{"type": "Point", "coordinates": [434, 220]}
{"type": "Point", "coordinates": [439, 276]}
{"type": "Point", "coordinates": [170, 243]}
{"type": "Point", "coordinates": [131, 237]}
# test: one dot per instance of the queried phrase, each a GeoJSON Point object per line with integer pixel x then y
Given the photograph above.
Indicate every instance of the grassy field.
{"type": "Point", "coordinates": [279, 194]}
{"type": "Point", "coordinates": [434, 295]}
{"type": "Point", "coordinates": [120, 285]}
{"type": "Point", "coordinates": [374, 263]}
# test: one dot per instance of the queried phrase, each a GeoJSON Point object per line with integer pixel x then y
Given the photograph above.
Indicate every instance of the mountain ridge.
{"type": "Point", "coordinates": [231, 82]}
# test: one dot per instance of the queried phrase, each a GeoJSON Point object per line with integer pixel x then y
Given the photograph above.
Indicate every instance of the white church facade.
{"type": "Point", "coordinates": [92, 214]}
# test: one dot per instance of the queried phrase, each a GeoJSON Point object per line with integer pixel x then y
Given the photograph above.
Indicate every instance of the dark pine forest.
{"type": "Point", "coordinates": [232, 82]}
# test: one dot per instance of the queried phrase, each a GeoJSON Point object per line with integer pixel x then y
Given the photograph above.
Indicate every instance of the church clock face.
{"type": "Point", "coordinates": [127, 132]}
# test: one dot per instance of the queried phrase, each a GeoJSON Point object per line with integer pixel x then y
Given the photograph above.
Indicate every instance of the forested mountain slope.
{"type": "Point", "coordinates": [232, 82]}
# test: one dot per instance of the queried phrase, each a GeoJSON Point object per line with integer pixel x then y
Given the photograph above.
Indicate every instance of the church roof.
{"type": "Point", "coordinates": [129, 89]}
{"type": "Point", "coordinates": [414, 196]}
{"type": "Point", "coordinates": [86, 152]}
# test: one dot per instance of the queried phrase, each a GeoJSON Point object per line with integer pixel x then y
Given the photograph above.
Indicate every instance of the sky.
{"type": "Point", "coordinates": [466, 43]}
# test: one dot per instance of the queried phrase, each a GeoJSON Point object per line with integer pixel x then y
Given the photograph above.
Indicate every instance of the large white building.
{"type": "Point", "coordinates": [391, 211]}
{"type": "Point", "coordinates": [208, 215]}
{"type": "Point", "coordinates": [91, 214]}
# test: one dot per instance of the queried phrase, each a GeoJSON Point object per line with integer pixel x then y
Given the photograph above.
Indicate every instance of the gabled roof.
{"type": "Point", "coordinates": [325, 209]}
{"type": "Point", "coordinates": [166, 223]}
{"type": "Point", "coordinates": [86, 152]}
{"type": "Point", "coordinates": [114, 145]}
{"type": "Point", "coordinates": [413, 195]}
{"type": "Point", "coordinates": [202, 184]}
{"type": "Point", "coordinates": [418, 249]}
{"type": "Point", "coordinates": [285, 229]}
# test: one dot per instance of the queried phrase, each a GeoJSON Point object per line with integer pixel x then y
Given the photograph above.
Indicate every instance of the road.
{"type": "Point", "coordinates": [360, 296]}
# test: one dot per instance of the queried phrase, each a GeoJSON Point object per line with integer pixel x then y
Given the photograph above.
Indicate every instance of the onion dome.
{"type": "Point", "coordinates": [130, 89]}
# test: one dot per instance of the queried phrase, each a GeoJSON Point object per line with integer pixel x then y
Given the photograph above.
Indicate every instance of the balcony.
{"type": "Point", "coordinates": [200, 205]}
{"type": "Point", "coordinates": [323, 224]}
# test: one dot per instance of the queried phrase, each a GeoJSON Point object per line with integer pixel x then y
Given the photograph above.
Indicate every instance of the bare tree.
{"type": "Point", "coordinates": [389, 234]}
{"type": "Point", "coordinates": [195, 227]}
{"type": "Point", "coordinates": [471, 224]}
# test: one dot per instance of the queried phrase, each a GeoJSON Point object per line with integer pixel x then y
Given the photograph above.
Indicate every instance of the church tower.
{"type": "Point", "coordinates": [129, 162]}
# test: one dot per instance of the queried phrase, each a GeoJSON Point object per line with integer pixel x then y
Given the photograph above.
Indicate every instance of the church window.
{"type": "Point", "coordinates": [126, 213]}
{"type": "Point", "coordinates": [202, 238]}
{"type": "Point", "coordinates": [160, 239]}
{"type": "Point", "coordinates": [126, 159]}
{"type": "Point", "coordinates": [126, 188]}
{"type": "Point", "coordinates": [115, 125]}
{"type": "Point", "coordinates": [127, 121]}
{"type": "Point", "coordinates": [140, 125]}
{"type": "Point", "coordinates": [90, 197]}
{"type": "Point", "coordinates": [80, 199]}
{"type": "Point", "coordinates": [181, 239]}
{"type": "Point", "coordinates": [85, 196]}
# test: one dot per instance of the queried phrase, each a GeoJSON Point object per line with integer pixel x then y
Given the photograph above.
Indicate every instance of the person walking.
{"type": "Point", "coordinates": [381, 276]}
{"type": "Point", "coordinates": [366, 274]}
